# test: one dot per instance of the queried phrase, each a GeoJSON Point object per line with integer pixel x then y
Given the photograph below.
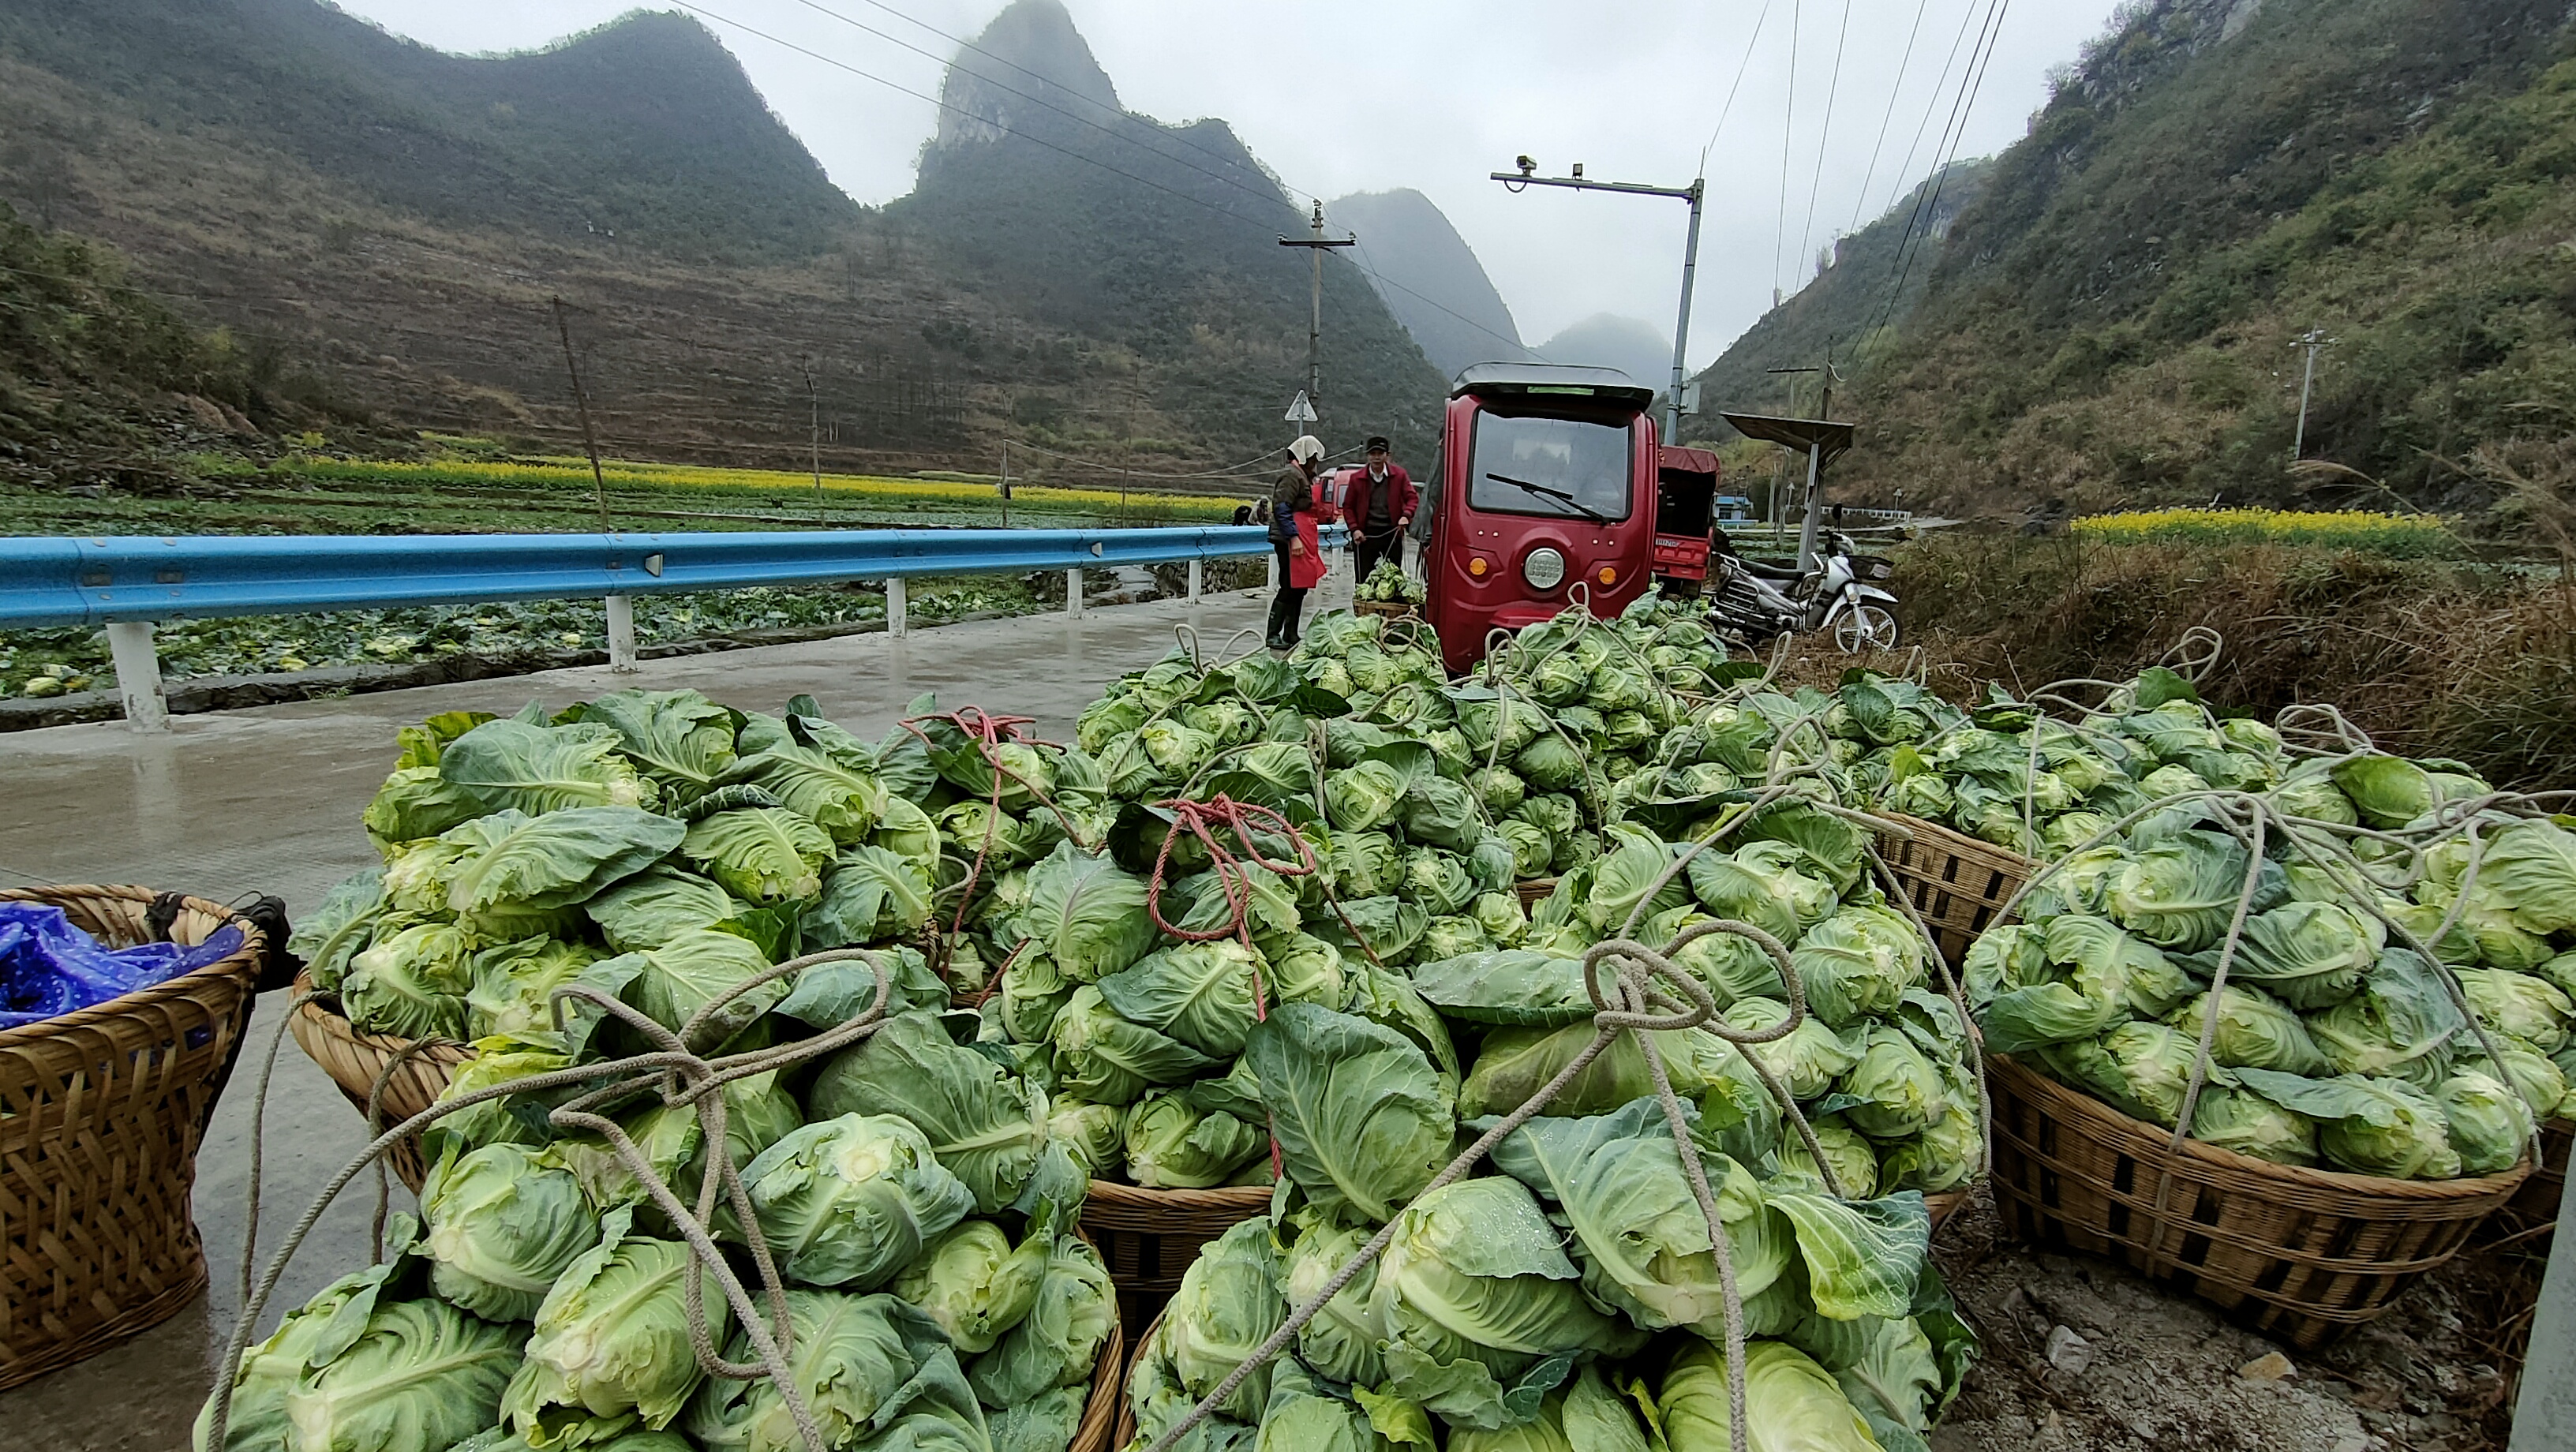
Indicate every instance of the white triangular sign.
{"type": "Point", "coordinates": [1301, 411]}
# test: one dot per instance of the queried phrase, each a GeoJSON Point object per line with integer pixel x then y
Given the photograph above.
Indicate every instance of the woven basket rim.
{"type": "Point", "coordinates": [1126, 1403]}
{"type": "Point", "coordinates": [1102, 1409]}
{"type": "Point", "coordinates": [1958, 843]}
{"type": "Point", "coordinates": [335, 1023]}
{"type": "Point", "coordinates": [244, 962]}
{"type": "Point", "coordinates": [1137, 1197]}
{"type": "Point", "coordinates": [2248, 1172]}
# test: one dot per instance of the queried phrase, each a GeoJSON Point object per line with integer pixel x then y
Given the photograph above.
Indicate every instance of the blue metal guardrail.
{"type": "Point", "coordinates": [99, 580]}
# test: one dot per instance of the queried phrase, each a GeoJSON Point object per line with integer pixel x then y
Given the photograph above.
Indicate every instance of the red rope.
{"type": "Point", "coordinates": [988, 733]}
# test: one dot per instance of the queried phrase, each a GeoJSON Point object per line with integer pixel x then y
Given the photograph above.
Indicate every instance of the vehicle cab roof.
{"type": "Point", "coordinates": [1603, 385]}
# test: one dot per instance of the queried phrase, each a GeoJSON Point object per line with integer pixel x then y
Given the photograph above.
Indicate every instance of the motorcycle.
{"type": "Point", "coordinates": [1757, 603]}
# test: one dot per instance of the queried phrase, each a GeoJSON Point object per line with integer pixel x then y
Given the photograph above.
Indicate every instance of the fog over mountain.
{"type": "Point", "coordinates": [1430, 278]}
{"type": "Point", "coordinates": [1606, 340]}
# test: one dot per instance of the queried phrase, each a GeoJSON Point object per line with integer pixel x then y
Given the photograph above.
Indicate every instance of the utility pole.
{"type": "Point", "coordinates": [1527, 176]}
{"type": "Point", "coordinates": [814, 434]}
{"type": "Point", "coordinates": [1318, 245]}
{"type": "Point", "coordinates": [581, 403]}
{"type": "Point", "coordinates": [2312, 340]}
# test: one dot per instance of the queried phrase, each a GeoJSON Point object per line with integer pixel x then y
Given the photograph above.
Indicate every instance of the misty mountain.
{"type": "Point", "coordinates": [1166, 248]}
{"type": "Point", "coordinates": [401, 221]}
{"type": "Point", "coordinates": [1606, 340]}
{"type": "Point", "coordinates": [647, 128]}
{"type": "Point", "coordinates": [1429, 278]}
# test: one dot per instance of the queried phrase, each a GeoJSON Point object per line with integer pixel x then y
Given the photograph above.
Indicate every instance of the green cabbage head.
{"type": "Point", "coordinates": [501, 1223]}
{"type": "Point", "coordinates": [852, 1200]}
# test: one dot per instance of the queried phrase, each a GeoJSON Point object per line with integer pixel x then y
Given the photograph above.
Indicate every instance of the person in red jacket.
{"type": "Point", "coordinates": [1300, 504]}
{"type": "Point", "coordinates": [1379, 502]}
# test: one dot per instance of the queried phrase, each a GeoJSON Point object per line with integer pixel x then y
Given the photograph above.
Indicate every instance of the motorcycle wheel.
{"type": "Point", "coordinates": [1867, 626]}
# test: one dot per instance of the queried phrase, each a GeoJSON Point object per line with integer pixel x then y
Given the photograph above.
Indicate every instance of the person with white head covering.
{"type": "Point", "coordinates": [1298, 506]}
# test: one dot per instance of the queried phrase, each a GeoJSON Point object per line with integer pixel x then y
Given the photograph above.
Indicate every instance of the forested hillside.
{"type": "Point", "coordinates": [1865, 291]}
{"type": "Point", "coordinates": [2112, 321]}
{"type": "Point", "coordinates": [646, 128]}
{"type": "Point", "coordinates": [391, 227]}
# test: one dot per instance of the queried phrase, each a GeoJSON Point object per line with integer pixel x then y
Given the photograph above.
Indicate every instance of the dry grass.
{"type": "Point", "coordinates": [2447, 658]}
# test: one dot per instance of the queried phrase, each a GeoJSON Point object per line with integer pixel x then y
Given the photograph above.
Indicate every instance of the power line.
{"type": "Point", "coordinates": [1902, 68]}
{"type": "Point", "coordinates": [1824, 138]}
{"type": "Point", "coordinates": [1956, 137]}
{"type": "Point", "coordinates": [1045, 79]}
{"type": "Point", "coordinates": [1932, 104]}
{"type": "Point", "coordinates": [1788, 131]}
{"type": "Point", "coordinates": [1110, 131]}
{"type": "Point", "coordinates": [1741, 67]}
{"type": "Point", "coordinates": [839, 64]}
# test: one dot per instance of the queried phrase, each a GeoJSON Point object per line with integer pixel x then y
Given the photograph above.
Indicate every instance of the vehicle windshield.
{"type": "Point", "coordinates": [1562, 468]}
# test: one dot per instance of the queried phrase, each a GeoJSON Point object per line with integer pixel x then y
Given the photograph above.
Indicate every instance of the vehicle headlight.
{"type": "Point", "coordinates": [1544, 569]}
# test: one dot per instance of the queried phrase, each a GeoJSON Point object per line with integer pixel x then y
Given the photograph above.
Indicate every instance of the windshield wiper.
{"type": "Point", "coordinates": [1568, 500]}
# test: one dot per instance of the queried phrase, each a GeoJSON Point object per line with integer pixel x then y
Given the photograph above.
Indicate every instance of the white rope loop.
{"type": "Point", "coordinates": [678, 1076]}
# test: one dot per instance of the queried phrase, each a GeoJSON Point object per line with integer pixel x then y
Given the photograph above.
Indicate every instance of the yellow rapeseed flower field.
{"type": "Point", "coordinates": [576, 473]}
{"type": "Point", "coordinates": [2388, 534]}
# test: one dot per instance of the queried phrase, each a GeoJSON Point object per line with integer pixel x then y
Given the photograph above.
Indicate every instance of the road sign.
{"type": "Point", "coordinates": [1301, 411]}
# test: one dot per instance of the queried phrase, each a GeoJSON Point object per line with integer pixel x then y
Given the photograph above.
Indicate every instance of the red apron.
{"type": "Point", "coordinates": [1306, 571]}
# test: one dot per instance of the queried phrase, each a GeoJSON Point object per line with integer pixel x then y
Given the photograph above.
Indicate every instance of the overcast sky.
{"type": "Point", "coordinates": [1340, 96]}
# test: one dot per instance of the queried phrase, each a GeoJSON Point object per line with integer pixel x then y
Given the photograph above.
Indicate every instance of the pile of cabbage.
{"type": "Point", "coordinates": [1389, 584]}
{"type": "Point", "coordinates": [2335, 1043]}
{"type": "Point", "coordinates": [1410, 799]}
{"type": "Point", "coordinates": [1568, 1290]}
{"type": "Point", "coordinates": [1593, 706]}
{"type": "Point", "coordinates": [662, 850]}
{"type": "Point", "coordinates": [2005, 773]}
{"type": "Point", "coordinates": [906, 1188]}
{"type": "Point", "coordinates": [656, 843]}
{"type": "Point", "coordinates": [1140, 1034]}
{"type": "Point", "coordinates": [1881, 1067]}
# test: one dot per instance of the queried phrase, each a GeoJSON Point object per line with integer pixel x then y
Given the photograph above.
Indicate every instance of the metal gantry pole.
{"type": "Point", "coordinates": [1681, 325]}
{"type": "Point", "coordinates": [1528, 176]}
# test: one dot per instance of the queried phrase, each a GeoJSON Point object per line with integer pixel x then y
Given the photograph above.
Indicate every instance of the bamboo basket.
{"type": "Point", "coordinates": [2301, 1255]}
{"type": "Point", "coordinates": [2534, 1207]}
{"type": "Point", "coordinates": [1957, 883]}
{"type": "Point", "coordinates": [1126, 1433]}
{"type": "Point", "coordinates": [1101, 1412]}
{"type": "Point", "coordinates": [101, 1114]}
{"type": "Point", "coordinates": [1392, 609]}
{"type": "Point", "coordinates": [1534, 890]}
{"type": "Point", "coordinates": [418, 1073]}
{"type": "Point", "coordinates": [1149, 1237]}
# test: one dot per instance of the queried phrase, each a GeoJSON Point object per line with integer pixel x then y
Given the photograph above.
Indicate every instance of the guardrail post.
{"type": "Point", "coordinates": [1073, 592]}
{"type": "Point", "coordinates": [1273, 563]}
{"type": "Point", "coordinates": [621, 634]}
{"type": "Point", "coordinates": [138, 675]}
{"type": "Point", "coordinates": [1195, 578]}
{"type": "Point", "coordinates": [895, 607]}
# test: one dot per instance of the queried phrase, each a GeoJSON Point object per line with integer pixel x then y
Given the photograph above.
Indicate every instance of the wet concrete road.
{"type": "Point", "coordinates": [267, 800]}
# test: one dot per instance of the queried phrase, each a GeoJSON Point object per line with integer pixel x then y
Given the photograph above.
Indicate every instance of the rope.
{"type": "Point", "coordinates": [1641, 981]}
{"type": "Point", "coordinates": [258, 1130]}
{"type": "Point", "coordinates": [680, 1077]}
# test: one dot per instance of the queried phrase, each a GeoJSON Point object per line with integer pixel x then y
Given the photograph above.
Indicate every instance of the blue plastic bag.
{"type": "Point", "coordinates": [49, 967]}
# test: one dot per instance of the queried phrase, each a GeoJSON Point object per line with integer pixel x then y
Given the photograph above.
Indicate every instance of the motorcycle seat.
{"type": "Point", "coordinates": [1761, 571]}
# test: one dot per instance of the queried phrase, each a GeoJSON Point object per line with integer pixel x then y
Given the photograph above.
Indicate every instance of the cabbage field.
{"type": "Point", "coordinates": [1593, 1073]}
